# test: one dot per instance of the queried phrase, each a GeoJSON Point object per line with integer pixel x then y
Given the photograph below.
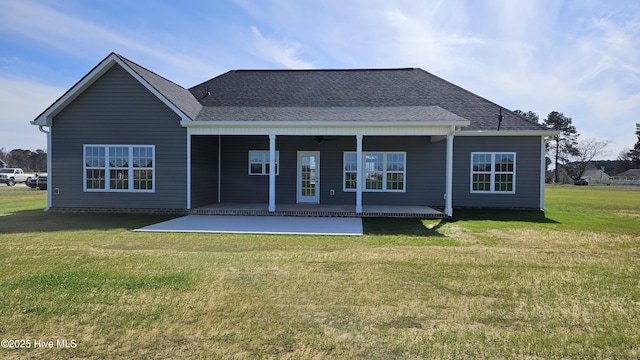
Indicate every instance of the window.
{"type": "Point", "coordinates": [493, 172]}
{"type": "Point", "coordinates": [119, 168]}
{"type": "Point", "coordinates": [383, 171]}
{"type": "Point", "coordinates": [259, 162]}
{"type": "Point", "coordinates": [350, 171]}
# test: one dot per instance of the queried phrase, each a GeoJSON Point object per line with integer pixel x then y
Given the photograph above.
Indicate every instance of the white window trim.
{"type": "Point", "coordinates": [265, 162]}
{"type": "Point", "coordinates": [384, 172]}
{"type": "Point", "coordinates": [493, 173]}
{"type": "Point", "coordinates": [130, 169]}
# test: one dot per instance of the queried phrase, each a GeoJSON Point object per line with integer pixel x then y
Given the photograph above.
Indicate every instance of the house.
{"type": "Point", "coordinates": [592, 174]}
{"type": "Point", "coordinates": [631, 174]}
{"type": "Point", "coordinates": [126, 139]}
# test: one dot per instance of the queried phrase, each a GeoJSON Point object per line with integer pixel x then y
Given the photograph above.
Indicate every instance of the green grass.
{"type": "Point", "coordinates": [492, 284]}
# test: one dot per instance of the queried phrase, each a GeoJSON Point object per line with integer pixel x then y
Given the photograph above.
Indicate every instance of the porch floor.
{"type": "Point", "coordinates": [320, 210]}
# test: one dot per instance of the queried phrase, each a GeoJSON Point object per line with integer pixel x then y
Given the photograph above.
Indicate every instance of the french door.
{"type": "Point", "coordinates": [308, 189]}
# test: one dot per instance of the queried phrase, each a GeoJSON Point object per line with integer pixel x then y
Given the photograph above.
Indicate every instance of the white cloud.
{"type": "Point", "coordinates": [282, 53]}
{"type": "Point", "coordinates": [580, 58]}
{"type": "Point", "coordinates": [21, 102]}
{"type": "Point", "coordinates": [83, 39]}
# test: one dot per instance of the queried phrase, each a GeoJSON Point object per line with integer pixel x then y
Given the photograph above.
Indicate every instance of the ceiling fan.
{"type": "Point", "coordinates": [320, 139]}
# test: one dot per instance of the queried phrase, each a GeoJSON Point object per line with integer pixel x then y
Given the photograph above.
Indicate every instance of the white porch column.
{"type": "Point", "coordinates": [448, 207]}
{"type": "Point", "coordinates": [272, 172]}
{"type": "Point", "coordinates": [188, 169]}
{"type": "Point", "coordinates": [359, 174]}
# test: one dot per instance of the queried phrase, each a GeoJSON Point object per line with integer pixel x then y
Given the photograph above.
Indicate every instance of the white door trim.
{"type": "Point", "coordinates": [315, 199]}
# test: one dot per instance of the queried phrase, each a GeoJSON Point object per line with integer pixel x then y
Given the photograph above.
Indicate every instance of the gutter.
{"type": "Point", "coordinates": [49, 187]}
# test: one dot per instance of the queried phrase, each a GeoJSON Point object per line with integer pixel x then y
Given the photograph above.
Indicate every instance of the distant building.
{"type": "Point", "coordinates": [631, 174]}
{"type": "Point", "coordinates": [594, 175]}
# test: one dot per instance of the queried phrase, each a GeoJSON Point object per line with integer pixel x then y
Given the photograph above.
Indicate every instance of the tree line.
{"type": "Point", "coordinates": [32, 161]}
{"type": "Point", "coordinates": [567, 152]}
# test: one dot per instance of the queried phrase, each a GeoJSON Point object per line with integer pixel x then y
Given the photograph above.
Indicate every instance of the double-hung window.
{"type": "Point", "coordinates": [119, 168]}
{"type": "Point", "coordinates": [383, 171]}
{"type": "Point", "coordinates": [259, 162]}
{"type": "Point", "coordinates": [493, 172]}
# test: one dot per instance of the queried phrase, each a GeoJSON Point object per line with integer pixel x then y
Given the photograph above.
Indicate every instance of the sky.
{"type": "Point", "coordinates": [578, 57]}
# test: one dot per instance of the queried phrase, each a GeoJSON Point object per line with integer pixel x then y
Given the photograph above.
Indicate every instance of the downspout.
{"type": "Point", "coordinates": [543, 168]}
{"type": "Point", "coordinates": [49, 166]}
{"type": "Point", "coordinates": [188, 169]}
{"type": "Point", "coordinates": [219, 166]}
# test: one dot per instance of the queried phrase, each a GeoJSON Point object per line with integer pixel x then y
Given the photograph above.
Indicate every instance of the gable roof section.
{"type": "Point", "coordinates": [360, 88]}
{"type": "Point", "coordinates": [176, 94]}
{"type": "Point", "coordinates": [175, 97]}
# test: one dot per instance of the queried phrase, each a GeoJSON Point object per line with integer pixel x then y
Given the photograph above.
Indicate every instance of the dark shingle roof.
{"type": "Point", "coordinates": [352, 88]}
{"type": "Point", "coordinates": [176, 94]}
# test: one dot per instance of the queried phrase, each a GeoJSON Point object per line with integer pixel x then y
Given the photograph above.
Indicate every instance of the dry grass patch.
{"type": "Point", "coordinates": [521, 287]}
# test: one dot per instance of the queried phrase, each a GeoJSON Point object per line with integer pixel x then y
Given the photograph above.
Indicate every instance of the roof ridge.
{"type": "Point", "coordinates": [325, 70]}
{"type": "Point", "coordinates": [144, 68]}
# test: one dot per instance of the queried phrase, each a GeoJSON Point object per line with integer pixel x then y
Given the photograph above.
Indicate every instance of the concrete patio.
{"type": "Point", "coordinates": [260, 225]}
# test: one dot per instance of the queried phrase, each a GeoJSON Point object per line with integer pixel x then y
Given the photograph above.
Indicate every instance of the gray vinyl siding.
{"type": "Point", "coordinates": [204, 170]}
{"type": "Point", "coordinates": [527, 149]}
{"type": "Point", "coordinates": [424, 171]}
{"type": "Point", "coordinates": [117, 109]}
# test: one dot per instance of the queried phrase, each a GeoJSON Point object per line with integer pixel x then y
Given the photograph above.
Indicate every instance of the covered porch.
{"type": "Point", "coordinates": [321, 210]}
{"type": "Point", "coordinates": [358, 162]}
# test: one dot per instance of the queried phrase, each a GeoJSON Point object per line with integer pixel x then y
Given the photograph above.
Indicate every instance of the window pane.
{"type": "Point", "coordinates": [255, 157]}
{"type": "Point", "coordinates": [395, 181]}
{"type": "Point", "coordinates": [350, 162]}
{"type": "Point", "coordinates": [504, 162]}
{"type": "Point", "coordinates": [118, 156]}
{"type": "Point", "coordinates": [142, 157]}
{"type": "Point", "coordinates": [395, 162]}
{"type": "Point", "coordinates": [119, 179]}
{"type": "Point", "coordinates": [143, 180]}
{"type": "Point", "coordinates": [481, 162]}
{"type": "Point", "coordinates": [482, 182]}
{"type": "Point", "coordinates": [95, 179]}
{"type": "Point", "coordinates": [256, 168]}
{"type": "Point", "coordinates": [373, 181]}
{"type": "Point", "coordinates": [350, 180]}
{"type": "Point", "coordinates": [94, 156]}
{"type": "Point", "coordinates": [504, 182]}
{"type": "Point", "coordinates": [374, 162]}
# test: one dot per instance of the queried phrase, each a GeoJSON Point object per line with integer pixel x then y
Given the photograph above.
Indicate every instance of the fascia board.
{"type": "Point", "coordinates": [329, 124]}
{"type": "Point", "coordinates": [477, 133]}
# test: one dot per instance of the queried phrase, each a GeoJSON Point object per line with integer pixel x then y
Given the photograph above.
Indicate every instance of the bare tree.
{"type": "Point", "coordinates": [587, 150]}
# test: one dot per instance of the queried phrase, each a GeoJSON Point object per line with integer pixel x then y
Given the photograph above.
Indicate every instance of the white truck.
{"type": "Point", "coordinates": [11, 176]}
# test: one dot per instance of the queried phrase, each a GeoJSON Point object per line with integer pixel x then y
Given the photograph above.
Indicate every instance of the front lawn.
{"type": "Point", "coordinates": [492, 284]}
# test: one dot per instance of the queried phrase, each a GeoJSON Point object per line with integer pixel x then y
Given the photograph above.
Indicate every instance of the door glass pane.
{"type": "Point", "coordinates": [309, 175]}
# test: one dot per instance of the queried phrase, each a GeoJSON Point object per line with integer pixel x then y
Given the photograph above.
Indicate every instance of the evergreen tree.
{"type": "Point", "coordinates": [565, 142]}
{"type": "Point", "coordinates": [634, 154]}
